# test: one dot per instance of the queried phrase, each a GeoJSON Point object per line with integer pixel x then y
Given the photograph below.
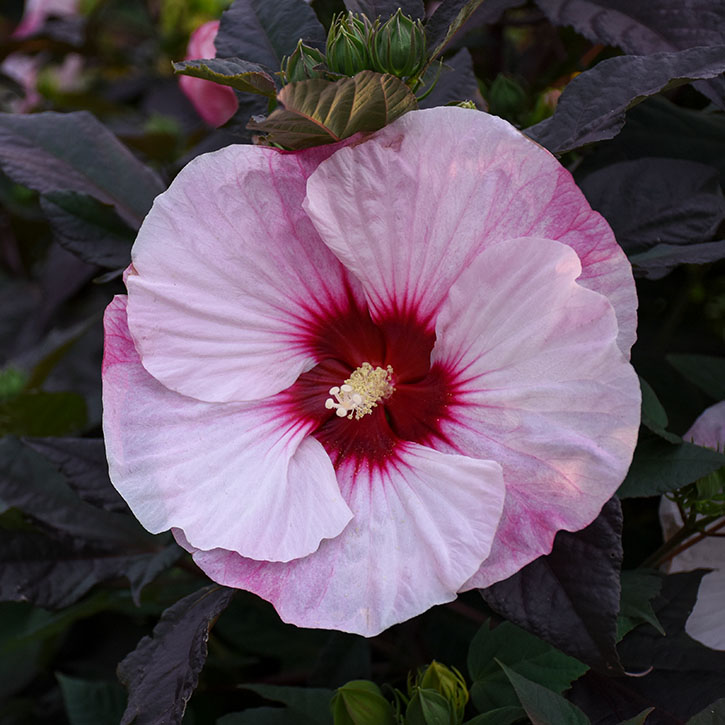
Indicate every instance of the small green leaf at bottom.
{"type": "Point", "coordinates": [543, 706]}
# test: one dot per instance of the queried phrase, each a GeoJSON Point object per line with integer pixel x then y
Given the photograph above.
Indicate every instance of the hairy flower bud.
{"type": "Point", "coordinates": [300, 66]}
{"type": "Point", "coordinates": [347, 44]}
{"type": "Point", "coordinates": [360, 702]}
{"type": "Point", "coordinates": [398, 46]}
{"type": "Point", "coordinates": [448, 682]}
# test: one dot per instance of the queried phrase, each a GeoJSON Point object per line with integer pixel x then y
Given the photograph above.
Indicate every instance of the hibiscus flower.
{"type": "Point", "coordinates": [215, 103]}
{"type": "Point", "coordinates": [359, 379]}
{"type": "Point", "coordinates": [705, 623]}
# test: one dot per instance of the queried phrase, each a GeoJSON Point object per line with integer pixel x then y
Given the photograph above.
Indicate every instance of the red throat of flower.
{"type": "Point", "coordinates": [373, 388]}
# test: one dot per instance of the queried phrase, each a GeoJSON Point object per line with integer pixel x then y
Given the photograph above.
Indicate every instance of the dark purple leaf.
{"type": "Point", "coordinates": [658, 127]}
{"type": "Point", "coordinates": [457, 82]}
{"type": "Point", "coordinates": [29, 483]}
{"type": "Point", "coordinates": [162, 672]}
{"type": "Point", "coordinates": [385, 8]}
{"type": "Point", "coordinates": [687, 676]}
{"type": "Point", "coordinates": [655, 263]}
{"type": "Point", "coordinates": [593, 106]}
{"type": "Point", "coordinates": [654, 201]}
{"type": "Point", "coordinates": [436, 29]}
{"type": "Point", "coordinates": [234, 72]}
{"type": "Point", "coordinates": [51, 152]}
{"type": "Point", "coordinates": [641, 28]}
{"type": "Point", "coordinates": [81, 544]}
{"type": "Point", "coordinates": [54, 572]}
{"type": "Point", "coordinates": [82, 461]}
{"type": "Point", "coordinates": [263, 32]}
{"type": "Point", "coordinates": [570, 598]}
{"type": "Point", "coordinates": [88, 228]}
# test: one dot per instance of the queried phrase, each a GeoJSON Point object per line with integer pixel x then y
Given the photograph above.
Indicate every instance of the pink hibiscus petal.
{"type": "Point", "coordinates": [229, 275]}
{"type": "Point", "coordinates": [709, 428]}
{"type": "Point", "coordinates": [705, 623]}
{"type": "Point", "coordinates": [215, 103]}
{"type": "Point", "coordinates": [541, 387]}
{"type": "Point", "coordinates": [236, 475]}
{"type": "Point", "coordinates": [36, 12]}
{"type": "Point", "coordinates": [421, 528]}
{"type": "Point", "coordinates": [410, 208]}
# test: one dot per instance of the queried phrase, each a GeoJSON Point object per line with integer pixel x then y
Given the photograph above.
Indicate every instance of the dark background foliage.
{"type": "Point", "coordinates": [101, 622]}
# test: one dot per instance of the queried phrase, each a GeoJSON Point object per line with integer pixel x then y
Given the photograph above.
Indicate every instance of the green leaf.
{"type": "Point", "coordinates": [500, 716]}
{"type": "Point", "coordinates": [712, 715]}
{"type": "Point", "coordinates": [524, 653]}
{"type": "Point", "coordinates": [704, 371]}
{"type": "Point", "coordinates": [239, 74]}
{"type": "Point", "coordinates": [593, 106]}
{"type": "Point", "coordinates": [91, 702]}
{"type": "Point", "coordinates": [311, 703]}
{"type": "Point", "coordinates": [261, 716]}
{"type": "Point", "coordinates": [543, 706]}
{"type": "Point", "coordinates": [659, 466]}
{"type": "Point", "coordinates": [639, 588]}
{"type": "Point", "coordinates": [88, 228]}
{"type": "Point", "coordinates": [654, 416]}
{"type": "Point", "coordinates": [37, 413]}
{"type": "Point", "coordinates": [20, 657]}
{"type": "Point", "coordinates": [12, 382]}
{"type": "Point", "coordinates": [319, 111]}
{"type": "Point", "coordinates": [428, 707]}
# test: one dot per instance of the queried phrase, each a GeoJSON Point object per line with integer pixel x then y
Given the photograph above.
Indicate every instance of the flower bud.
{"type": "Point", "coordinates": [360, 702]}
{"type": "Point", "coordinates": [398, 46]}
{"type": "Point", "coordinates": [448, 682]}
{"type": "Point", "coordinates": [347, 44]}
{"type": "Point", "coordinates": [300, 66]}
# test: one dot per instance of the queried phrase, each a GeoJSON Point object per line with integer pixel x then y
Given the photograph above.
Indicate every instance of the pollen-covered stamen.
{"type": "Point", "coordinates": [361, 392]}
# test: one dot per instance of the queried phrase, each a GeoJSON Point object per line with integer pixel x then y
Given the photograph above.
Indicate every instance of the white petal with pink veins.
{"type": "Point", "coordinates": [244, 476]}
{"type": "Point", "coordinates": [228, 275]}
{"type": "Point", "coordinates": [421, 527]}
{"type": "Point", "coordinates": [409, 209]}
{"type": "Point", "coordinates": [542, 388]}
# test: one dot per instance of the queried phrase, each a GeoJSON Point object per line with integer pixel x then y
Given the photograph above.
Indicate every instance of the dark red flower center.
{"type": "Point", "coordinates": [413, 412]}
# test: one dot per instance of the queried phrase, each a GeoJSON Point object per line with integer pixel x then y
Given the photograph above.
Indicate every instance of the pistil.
{"type": "Point", "coordinates": [361, 392]}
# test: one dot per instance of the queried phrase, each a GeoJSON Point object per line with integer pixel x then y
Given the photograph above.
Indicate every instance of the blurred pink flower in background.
{"type": "Point", "coordinates": [361, 378]}
{"type": "Point", "coordinates": [38, 11]}
{"type": "Point", "coordinates": [707, 620]}
{"type": "Point", "coordinates": [215, 103]}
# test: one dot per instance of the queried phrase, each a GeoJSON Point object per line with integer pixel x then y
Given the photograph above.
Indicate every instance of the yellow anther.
{"type": "Point", "coordinates": [361, 392]}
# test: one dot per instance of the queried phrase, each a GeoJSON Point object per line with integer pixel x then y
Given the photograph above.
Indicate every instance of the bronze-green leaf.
{"type": "Point", "coordinates": [235, 72]}
{"type": "Point", "coordinates": [320, 111]}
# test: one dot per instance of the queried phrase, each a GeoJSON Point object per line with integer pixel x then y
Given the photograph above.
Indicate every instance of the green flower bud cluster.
{"type": "Point", "coordinates": [347, 44]}
{"type": "Point", "coordinates": [448, 683]}
{"type": "Point", "coordinates": [398, 46]}
{"type": "Point", "coordinates": [354, 44]}
{"type": "Point", "coordinates": [300, 66]}
{"type": "Point", "coordinates": [436, 694]}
